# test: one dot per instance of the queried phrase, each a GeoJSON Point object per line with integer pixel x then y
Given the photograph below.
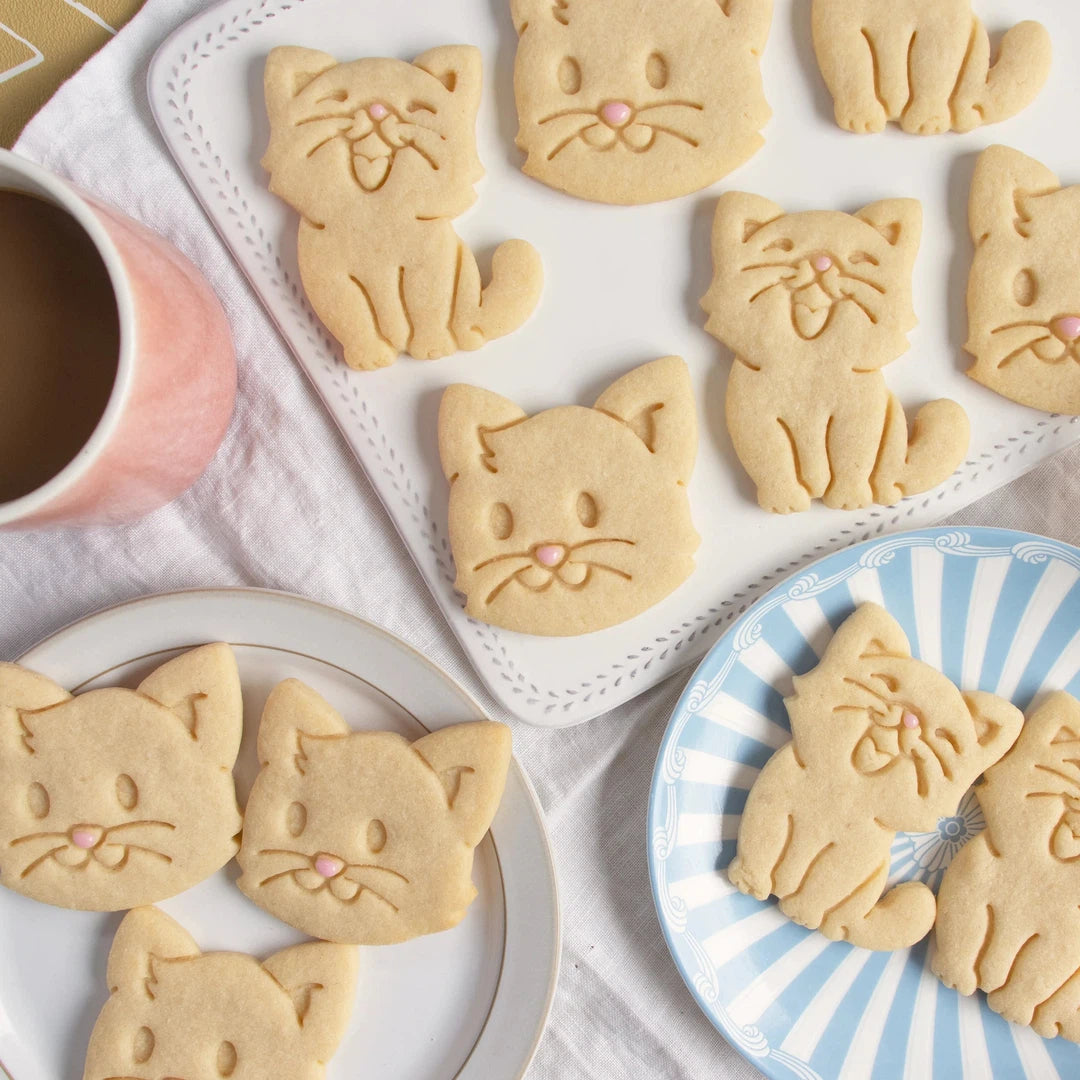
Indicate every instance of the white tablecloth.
{"type": "Point", "coordinates": [285, 506]}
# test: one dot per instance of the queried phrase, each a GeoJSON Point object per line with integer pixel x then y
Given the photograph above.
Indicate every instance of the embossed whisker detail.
{"type": "Point", "coordinates": [41, 859]}
{"type": "Point", "coordinates": [570, 140]}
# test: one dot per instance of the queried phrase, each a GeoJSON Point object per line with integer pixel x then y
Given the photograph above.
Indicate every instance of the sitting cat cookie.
{"type": "Point", "coordinates": [925, 64]}
{"type": "Point", "coordinates": [362, 837]}
{"type": "Point", "coordinates": [573, 519]}
{"type": "Point", "coordinates": [174, 1011]}
{"type": "Point", "coordinates": [1009, 904]}
{"type": "Point", "coordinates": [634, 101]}
{"type": "Point", "coordinates": [881, 743]}
{"type": "Point", "coordinates": [1024, 289]}
{"type": "Point", "coordinates": [378, 156]}
{"type": "Point", "coordinates": [813, 305]}
{"type": "Point", "coordinates": [116, 798]}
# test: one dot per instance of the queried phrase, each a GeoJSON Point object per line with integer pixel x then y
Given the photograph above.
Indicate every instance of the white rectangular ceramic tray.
{"type": "Point", "coordinates": [622, 288]}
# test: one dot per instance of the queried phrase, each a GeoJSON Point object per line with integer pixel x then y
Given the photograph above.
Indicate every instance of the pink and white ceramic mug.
{"type": "Point", "coordinates": [175, 384]}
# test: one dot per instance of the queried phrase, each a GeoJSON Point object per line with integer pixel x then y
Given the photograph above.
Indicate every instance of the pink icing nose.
{"type": "Point", "coordinates": [822, 263]}
{"type": "Point", "coordinates": [1068, 328]}
{"type": "Point", "coordinates": [911, 721]}
{"type": "Point", "coordinates": [550, 554]}
{"type": "Point", "coordinates": [85, 837]}
{"type": "Point", "coordinates": [378, 111]}
{"type": "Point", "coordinates": [328, 866]}
{"type": "Point", "coordinates": [616, 113]}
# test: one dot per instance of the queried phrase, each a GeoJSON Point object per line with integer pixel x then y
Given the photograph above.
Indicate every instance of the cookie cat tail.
{"type": "Point", "coordinates": [938, 443]}
{"type": "Point", "coordinates": [517, 279]}
{"type": "Point", "coordinates": [987, 93]}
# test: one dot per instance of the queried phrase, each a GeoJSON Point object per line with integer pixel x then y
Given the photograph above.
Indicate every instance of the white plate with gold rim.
{"type": "Point", "coordinates": [467, 1004]}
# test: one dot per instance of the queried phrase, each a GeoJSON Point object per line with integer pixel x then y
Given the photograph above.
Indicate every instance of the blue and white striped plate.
{"type": "Point", "coordinates": [994, 610]}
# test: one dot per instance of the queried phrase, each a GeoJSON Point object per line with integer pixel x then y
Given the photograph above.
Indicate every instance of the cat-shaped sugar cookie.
{"type": "Point", "coordinates": [634, 101]}
{"type": "Point", "coordinates": [116, 798]}
{"type": "Point", "coordinates": [1009, 904]}
{"type": "Point", "coordinates": [1024, 289]}
{"type": "Point", "coordinates": [573, 519]}
{"type": "Point", "coordinates": [362, 837]}
{"type": "Point", "coordinates": [881, 743]}
{"type": "Point", "coordinates": [378, 156]}
{"type": "Point", "coordinates": [175, 1012]}
{"type": "Point", "coordinates": [925, 64]}
{"type": "Point", "coordinates": [813, 305]}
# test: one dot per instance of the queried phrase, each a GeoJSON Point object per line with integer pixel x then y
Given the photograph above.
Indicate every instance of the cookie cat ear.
{"type": "Point", "coordinates": [656, 401]}
{"type": "Point", "coordinates": [997, 724]}
{"type": "Point", "coordinates": [750, 18]}
{"type": "Point", "coordinates": [465, 414]}
{"type": "Point", "coordinates": [870, 631]}
{"type": "Point", "coordinates": [526, 13]}
{"type": "Point", "coordinates": [22, 690]}
{"type": "Point", "coordinates": [293, 710]}
{"type": "Point", "coordinates": [146, 934]}
{"type": "Point", "coordinates": [471, 760]}
{"type": "Point", "coordinates": [320, 980]}
{"type": "Point", "coordinates": [459, 68]}
{"type": "Point", "coordinates": [1004, 184]}
{"type": "Point", "coordinates": [202, 687]}
{"type": "Point", "coordinates": [898, 220]}
{"type": "Point", "coordinates": [738, 216]}
{"type": "Point", "coordinates": [289, 68]}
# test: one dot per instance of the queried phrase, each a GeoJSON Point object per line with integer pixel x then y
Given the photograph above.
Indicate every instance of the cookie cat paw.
{"type": "Point", "coordinates": [926, 122]}
{"type": "Point", "coordinates": [856, 497]}
{"type": "Point", "coordinates": [745, 881]}
{"type": "Point", "coordinates": [783, 500]}
{"type": "Point", "coordinates": [432, 346]}
{"type": "Point", "coordinates": [370, 357]}
{"type": "Point", "coordinates": [962, 980]}
{"type": "Point", "coordinates": [862, 122]}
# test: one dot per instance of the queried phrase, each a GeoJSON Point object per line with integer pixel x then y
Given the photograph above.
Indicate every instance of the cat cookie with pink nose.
{"type": "Point", "coordinates": [635, 101]}
{"type": "Point", "coordinates": [574, 519]}
{"type": "Point", "coordinates": [361, 837]}
{"type": "Point", "coordinates": [116, 798]}
{"type": "Point", "coordinates": [1024, 289]}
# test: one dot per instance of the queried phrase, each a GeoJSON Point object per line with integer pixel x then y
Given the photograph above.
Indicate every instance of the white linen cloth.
{"type": "Point", "coordinates": [284, 505]}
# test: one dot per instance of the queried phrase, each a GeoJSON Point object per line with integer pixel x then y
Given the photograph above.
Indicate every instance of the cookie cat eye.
{"type": "Point", "coordinates": [863, 257]}
{"type": "Point", "coordinates": [587, 511]}
{"type": "Point", "coordinates": [38, 800]}
{"type": "Point", "coordinates": [656, 71]}
{"type": "Point", "coordinates": [569, 75]}
{"type": "Point", "coordinates": [376, 836]}
{"type": "Point", "coordinates": [1025, 288]}
{"type": "Point", "coordinates": [226, 1059]}
{"type": "Point", "coordinates": [781, 245]}
{"type": "Point", "coordinates": [502, 521]}
{"type": "Point", "coordinates": [127, 793]}
{"type": "Point", "coordinates": [296, 818]}
{"type": "Point", "coordinates": [143, 1047]}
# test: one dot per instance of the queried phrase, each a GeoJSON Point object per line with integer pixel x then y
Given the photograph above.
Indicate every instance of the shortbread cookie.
{"type": "Point", "coordinates": [881, 743]}
{"type": "Point", "coordinates": [177, 1012]}
{"type": "Point", "coordinates": [925, 64]}
{"type": "Point", "coordinates": [363, 837]}
{"type": "Point", "coordinates": [573, 519]}
{"type": "Point", "coordinates": [378, 156]}
{"type": "Point", "coordinates": [634, 101]}
{"type": "Point", "coordinates": [1009, 904]}
{"type": "Point", "coordinates": [117, 798]}
{"type": "Point", "coordinates": [813, 305]}
{"type": "Point", "coordinates": [1024, 290]}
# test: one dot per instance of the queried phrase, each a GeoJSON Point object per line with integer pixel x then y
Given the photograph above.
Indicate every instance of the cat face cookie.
{"type": "Point", "coordinates": [377, 156]}
{"type": "Point", "coordinates": [116, 798]}
{"type": "Point", "coordinates": [925, 64]}
{"type": "Point", "coordinates": [1008, 920]}
{"type": "Point", "coordinates": [574, 519]}
{"type": "Point", "coordinates": [363, 837]}
{"type": "Point", "coordinates": [177, 1012]}
{"type": "Point", "coordinates": [624, 101]}
{"type": "Point", "coordinates": [1024, 289]}
{"type": "Point", "coordinates": [881, 743]}
{"type": "Point", "coordinates": [813, 305]}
